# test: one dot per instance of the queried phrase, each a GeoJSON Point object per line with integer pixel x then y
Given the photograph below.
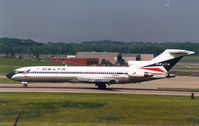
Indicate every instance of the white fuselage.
{"type": "Point", "coordinates": [75, 74]}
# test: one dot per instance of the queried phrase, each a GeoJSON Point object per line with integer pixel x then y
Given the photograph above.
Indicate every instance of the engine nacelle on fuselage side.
{"type": "Point", "coordinates": [140, 74]}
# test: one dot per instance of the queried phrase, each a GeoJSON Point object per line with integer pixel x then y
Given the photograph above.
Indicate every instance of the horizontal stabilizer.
{"type": "Point", "coordinates": [180, 52]}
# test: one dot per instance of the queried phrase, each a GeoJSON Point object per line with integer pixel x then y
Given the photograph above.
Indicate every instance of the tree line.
{"type": "Point", "coordinates": [12, 46]}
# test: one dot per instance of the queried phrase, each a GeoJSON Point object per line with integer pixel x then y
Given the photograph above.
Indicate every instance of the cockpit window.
{"type": "Point", "coordinates": [19, 72]}
{"type": "Point", "coordinates": [27, 71]}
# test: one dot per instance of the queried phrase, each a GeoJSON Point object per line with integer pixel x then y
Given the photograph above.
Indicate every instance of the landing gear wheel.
{"type": "Point", "coordinates": [101, 86]}
{"type": "Point", "coordinates": [25, 84]}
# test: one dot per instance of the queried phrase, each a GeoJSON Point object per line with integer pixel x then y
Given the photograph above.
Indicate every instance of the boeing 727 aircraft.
{"type": "Point", "coordinates": [137, 71]}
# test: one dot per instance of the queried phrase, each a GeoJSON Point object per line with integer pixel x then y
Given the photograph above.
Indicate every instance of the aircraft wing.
{"type": "Point", "coordinates": [97, 80]}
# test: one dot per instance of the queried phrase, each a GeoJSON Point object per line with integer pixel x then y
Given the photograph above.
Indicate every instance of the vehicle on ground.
{"type": "Point", "coordinates": [136, 71]}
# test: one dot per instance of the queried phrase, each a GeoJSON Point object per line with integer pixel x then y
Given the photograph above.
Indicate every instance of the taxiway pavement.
{"type": "Point", "coordinates": [181, 85]}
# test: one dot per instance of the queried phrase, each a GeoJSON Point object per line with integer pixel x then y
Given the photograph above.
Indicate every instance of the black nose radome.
{"type": "Point", "coordinates": [10, 75]}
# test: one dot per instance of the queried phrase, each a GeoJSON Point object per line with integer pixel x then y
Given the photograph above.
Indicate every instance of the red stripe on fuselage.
{"type": "Point", "coordinates": [153, 69]}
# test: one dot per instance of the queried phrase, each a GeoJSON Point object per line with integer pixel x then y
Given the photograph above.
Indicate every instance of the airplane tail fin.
{"type": "Point", "coordinates": [169, 58]}
{"type": "Point", "coordinates": [165, 61]}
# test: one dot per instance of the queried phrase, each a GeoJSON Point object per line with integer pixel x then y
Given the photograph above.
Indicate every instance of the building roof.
{"type": "Point", "coordinates": [130, 55]}
{"type": "Point", "coordinates": [115, 53]}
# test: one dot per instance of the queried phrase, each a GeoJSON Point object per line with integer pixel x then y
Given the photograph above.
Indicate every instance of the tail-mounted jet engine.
{"type": "Point", "coordinates": [140, 74]}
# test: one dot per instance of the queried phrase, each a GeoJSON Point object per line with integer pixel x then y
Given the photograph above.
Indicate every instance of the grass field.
{"type": "Point", "coordinates": [190, 59]}
{"type": "Point", "coordinates": [60, 109]}
{"type": "Point", "coordinates": [8, 81]}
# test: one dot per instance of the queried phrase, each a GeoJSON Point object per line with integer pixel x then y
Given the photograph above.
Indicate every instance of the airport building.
{"type": "Point", "coordinates": [146, 57]}
{"type": "Point", "coordinates": [76, 61]}
{"type": "Point", "coordinates": [130, 57]}
{"type": "Point", "coordinates": [108, 56]}
{"type": "Point", "coordinates": [113, 56]}
{"type": "Point", "coordinates": [96, 58]}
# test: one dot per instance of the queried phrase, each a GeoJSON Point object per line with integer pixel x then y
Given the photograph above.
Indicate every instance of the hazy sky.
{"type": "Point", "coordinates": [83, 20]}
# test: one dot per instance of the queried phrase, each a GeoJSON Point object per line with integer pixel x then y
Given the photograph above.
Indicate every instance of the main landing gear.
{"type": "Point", "coordinates": [25, 84]}
{"type": "Point", "coordinates": [101, 85]}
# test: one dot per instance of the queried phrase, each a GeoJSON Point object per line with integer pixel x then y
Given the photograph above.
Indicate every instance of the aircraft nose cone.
{"type": "Point", "coordinates": [10, 75]}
